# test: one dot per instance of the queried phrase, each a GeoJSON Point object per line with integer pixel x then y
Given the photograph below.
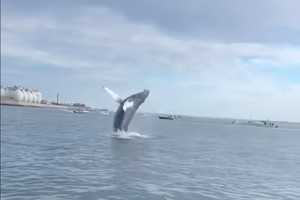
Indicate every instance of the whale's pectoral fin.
{"type": "Point", "coordinates": [127, 104]}
{"type": "Point", "coordinates": [114, 95]}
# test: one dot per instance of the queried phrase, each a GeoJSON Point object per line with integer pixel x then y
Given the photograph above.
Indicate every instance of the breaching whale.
{"type": "Point", "coordinates": [127, 108]}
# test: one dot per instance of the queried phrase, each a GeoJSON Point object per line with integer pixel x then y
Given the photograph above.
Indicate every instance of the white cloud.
{"type": "Point", "coordinates": [217, 78]}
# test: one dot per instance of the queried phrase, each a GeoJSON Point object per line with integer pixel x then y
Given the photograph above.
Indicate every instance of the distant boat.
{"type": "Point", "coordinates": [262, 123]}
{"type": "Point", "coordinates": [167, 117]}
{"type": "Point", "coordinates": [80, 111]}
{"type": "Point", "coordinates": [104, 111]}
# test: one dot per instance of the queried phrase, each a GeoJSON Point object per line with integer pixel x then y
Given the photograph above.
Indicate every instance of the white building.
{"type": "Point", "coordinates": [21, 95]}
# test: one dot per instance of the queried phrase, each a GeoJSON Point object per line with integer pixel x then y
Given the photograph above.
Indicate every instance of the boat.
{"type": "Point", "coordinates": [80, 111]}
{"type": "Point", "coordinates": [257, 123]}
{"type": "Point", "coordinates": [104, 111]}
{"type": "Point", "coordinates": [167, 117]}
{"type": "Point", "coordinates": [263, 123]}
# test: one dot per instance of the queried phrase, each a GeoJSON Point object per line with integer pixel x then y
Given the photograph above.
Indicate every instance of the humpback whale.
{"type": "Point", "coordinates": [127, 108]}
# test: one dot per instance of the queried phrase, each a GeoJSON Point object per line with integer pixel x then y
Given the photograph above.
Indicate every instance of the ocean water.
{"type": "Point", "coordinates": [51, 154]}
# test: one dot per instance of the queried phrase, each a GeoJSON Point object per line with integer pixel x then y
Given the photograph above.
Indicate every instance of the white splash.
{"type": "Point", "coordinates": [128, 135]}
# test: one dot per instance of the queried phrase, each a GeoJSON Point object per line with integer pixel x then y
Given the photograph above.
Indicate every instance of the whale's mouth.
{"type": "Point", "coordinates": [146, 93]}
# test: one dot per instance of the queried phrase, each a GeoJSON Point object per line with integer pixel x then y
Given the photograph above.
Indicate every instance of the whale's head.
{"type": "Point", "coordinates": [146, 93]}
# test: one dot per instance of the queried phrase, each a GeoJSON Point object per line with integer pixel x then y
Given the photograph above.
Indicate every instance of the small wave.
{"type": "Point", "coordinates": [128, 135]}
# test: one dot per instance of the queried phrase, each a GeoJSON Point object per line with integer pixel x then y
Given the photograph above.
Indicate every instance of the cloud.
{"type": "Point", "coordinates": [270, 21]}
{"type": "Point", "coordinates": [105, 34]}
{"type": "Point", "coordinates": [96, 44]}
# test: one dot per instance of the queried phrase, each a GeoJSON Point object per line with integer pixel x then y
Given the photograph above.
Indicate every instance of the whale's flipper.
{"type": "Point", "coordinates": [114, 95]}
{"type": "Point", "coordinates": [127, 109]}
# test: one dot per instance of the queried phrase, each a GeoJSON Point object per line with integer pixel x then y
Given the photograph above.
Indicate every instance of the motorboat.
{"type": "Point", "coordinates": [167, 117]}
{"type": "Point", "coordinates": [80, 111]}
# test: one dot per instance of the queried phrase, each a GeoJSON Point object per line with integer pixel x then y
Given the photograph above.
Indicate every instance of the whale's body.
{"type": "Point", "coordinates": [127, 108]}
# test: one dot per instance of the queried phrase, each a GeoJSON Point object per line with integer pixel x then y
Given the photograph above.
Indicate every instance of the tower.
{"type": "Point", "coordinates": [57, 98]}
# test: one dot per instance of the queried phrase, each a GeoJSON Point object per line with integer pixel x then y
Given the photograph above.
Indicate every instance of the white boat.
{"type": "Point", "coordinates": [104, 111]}
{"type": "Point", "coordinates": [80, 111]}
{"type": "Point", "coordinates": [167, 117]}
{"type": "Point", "coordinates": [261, 123]}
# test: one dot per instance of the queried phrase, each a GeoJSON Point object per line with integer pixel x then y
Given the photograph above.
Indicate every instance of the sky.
{"type": "Point", "coordinates": [213, 58]}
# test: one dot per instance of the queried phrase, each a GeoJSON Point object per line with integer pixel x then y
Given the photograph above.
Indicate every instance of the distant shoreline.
{"type": "Point", "coordinates": [35, 105]}
{"type": "Point", "coordinates": [60, 107]}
